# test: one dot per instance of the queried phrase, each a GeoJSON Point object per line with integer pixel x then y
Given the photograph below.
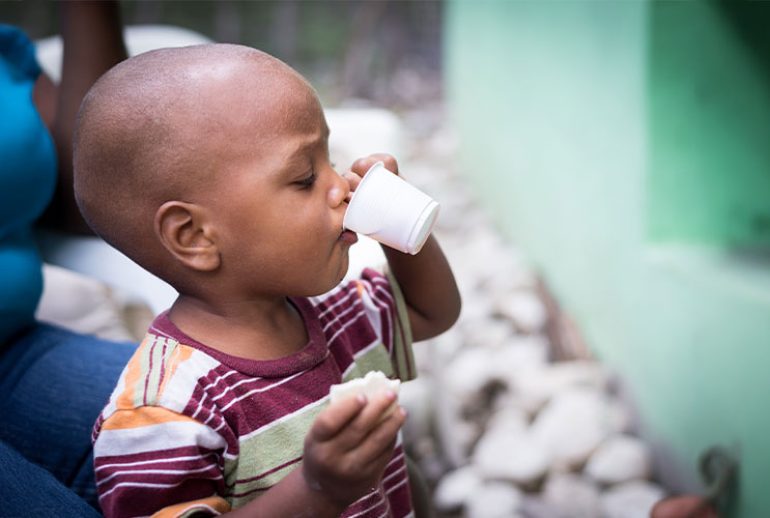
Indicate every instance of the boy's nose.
{"type": "Point", "coordinates": [338, 191]}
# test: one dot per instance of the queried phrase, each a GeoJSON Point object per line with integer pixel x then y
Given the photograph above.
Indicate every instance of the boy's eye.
{"type": "Point", "coordinates": [308, 181]}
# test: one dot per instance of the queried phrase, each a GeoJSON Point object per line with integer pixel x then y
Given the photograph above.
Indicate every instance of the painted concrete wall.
{"type": "Point", "coordinates": [625, 146]}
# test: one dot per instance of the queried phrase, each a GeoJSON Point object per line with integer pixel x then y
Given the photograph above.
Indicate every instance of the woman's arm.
{"type": "Point", "coordinates": [92, 37]}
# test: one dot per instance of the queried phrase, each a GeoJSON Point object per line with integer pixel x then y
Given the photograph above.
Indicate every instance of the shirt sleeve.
{"type": "Point", "coordinates": [17, 48]}
{"type": "Point", "coordinates": [151, 460]}
{"type": "Point", "coordinates": [386, 310]}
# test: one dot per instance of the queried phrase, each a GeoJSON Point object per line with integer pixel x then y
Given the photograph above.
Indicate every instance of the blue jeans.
{"type": "Point", "coordinates": [53, 384]}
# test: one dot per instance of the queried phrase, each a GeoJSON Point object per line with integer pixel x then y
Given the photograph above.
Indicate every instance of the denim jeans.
{"type": "Point", "coordinates": [53, 384]}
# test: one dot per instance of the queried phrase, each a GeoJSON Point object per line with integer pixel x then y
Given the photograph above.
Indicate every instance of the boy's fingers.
{"type": "Point", "coordinates": [362, 165]}
{"type": "Point", "coordinates": [367, 420]}
{"type": "Point", "coordinates": [353, 181]}
{"type": "Point", "coordinates": [336, 417]}
{"type": "Point", "coordinates": [381, 441]}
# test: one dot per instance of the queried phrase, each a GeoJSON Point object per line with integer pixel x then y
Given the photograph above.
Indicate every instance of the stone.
{"type": "Point", "coordinates": [517, 356]}
{"type": "Point", "coordinates": [621, 458]}
{"type": "Point", "coordinates": [572, 426]}
{"type": "Point", "coordinates": [507, 421]}
{"type": "Point", "coordinates": [494, 500]}
{"type": "Point", "coordinates": [455, 488]}
{"type": "Point", "coordinates": [630, 500]}
{"type": "Point", "coordinates": [524, 309]}
{"type": "Point", "coordinates": [535, 387]}
{"type": "Point", "coordinates": [572, 496]}
{"type": "Point", "coordinates": [511, 456]}
{"type": "Point", "coordinates": [416, 397]}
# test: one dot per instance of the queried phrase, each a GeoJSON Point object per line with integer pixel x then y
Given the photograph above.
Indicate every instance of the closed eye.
{"type": "Point", "coordinates": [307, 182]}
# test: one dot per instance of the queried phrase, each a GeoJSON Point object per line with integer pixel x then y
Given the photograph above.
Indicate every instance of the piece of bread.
{"type": "Point", "coordinates": [375, 382]}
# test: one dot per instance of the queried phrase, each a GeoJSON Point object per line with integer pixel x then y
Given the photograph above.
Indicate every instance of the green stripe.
{"type": "Point", "coordinates": [403, 355]}
{"type": "Point", "coordinates": [144, 362]}
{"type": "Point", "coordinates": [266, 450]}
{"type": "Point", "coordinates": [157, 359]}
{"type": "Point", "coordinates": [374, 359]}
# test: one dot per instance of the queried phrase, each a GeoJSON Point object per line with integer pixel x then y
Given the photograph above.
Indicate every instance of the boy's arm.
{"type": "Point", "coordinates": [426, 279]}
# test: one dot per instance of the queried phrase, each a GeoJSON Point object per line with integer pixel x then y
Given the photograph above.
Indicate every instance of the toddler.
{"type": "Point", "coordinates": [208, 165]}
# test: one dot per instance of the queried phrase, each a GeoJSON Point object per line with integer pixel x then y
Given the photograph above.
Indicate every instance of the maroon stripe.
{"type": "Point", "coordinates": [266, 473]}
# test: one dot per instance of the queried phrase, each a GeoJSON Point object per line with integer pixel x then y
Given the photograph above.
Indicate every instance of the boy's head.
{"type": "Point", "coordinates": [208, 165]}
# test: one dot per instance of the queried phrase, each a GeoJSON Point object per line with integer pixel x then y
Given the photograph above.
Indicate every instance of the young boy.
{"type": "Point", "coordinates": [209, 166]}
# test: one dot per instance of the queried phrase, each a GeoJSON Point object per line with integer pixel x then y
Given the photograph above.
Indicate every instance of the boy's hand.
{"type": "Point", "coordinates": [426, 280]}
{"type": "Point", "coordinates": [362, 165]}
{"type": "Point", "coordinates": [349, 446]}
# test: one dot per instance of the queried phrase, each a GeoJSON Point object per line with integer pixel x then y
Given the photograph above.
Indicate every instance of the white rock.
{"type": "Point", "coordinates": [571, 495]}
{"type": "Point", "coordinates": [416, 397]}
{"type": "Point", "coordinates": [455, 488]}
{"type": "Point", "coordinates": [524, 309]}
{"type": "Point", "coordinates": [467, 374]}
{"type": "Point", "coordinates": [455, 435]}
{"type": "Point", "coordinates": [490, 333]}
{"type": "Point", "coordinates": [507, 421]}
{"type": "Point", "coordinates": [535, 387]}
{"type": "Point", "coordinates": [444, 347]}
{"type": "Point", "coordinates": [621, 458]}
{"type": "Point", "coordinates": [518, 355]}
{"type": "Point", "coordinates": [572, 426]}
{"type": "Point", "coordinates": [630, 500]}
{"type": "Point", "coordinates": [494, 500]}
{"type": "Point", "coordinates": [514, 457]}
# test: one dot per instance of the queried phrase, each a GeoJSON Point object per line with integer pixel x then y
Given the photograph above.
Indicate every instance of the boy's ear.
{"type": "Point", "coordinates": [185, 231]}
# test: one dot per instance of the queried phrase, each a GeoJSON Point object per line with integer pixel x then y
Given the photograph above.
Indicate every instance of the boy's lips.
{"type": "Point", "coordinates": [348, 237]}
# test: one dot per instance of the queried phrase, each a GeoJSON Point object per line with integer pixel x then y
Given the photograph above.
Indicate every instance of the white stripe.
{"type": "Point", "coordinates": [258, 390]}
{"type": "Point", "coordinates": [230, 387]}
{"type": "Point", "coordinates": [154, 461]}
{"type": "Point", "coordinates": [145, 484]}
{"type": "Point", "coordinates": [343, 300]}
{"type": "Point", "coordinates": [210, 386]}
{"type": "Point", "coordinates": [397, 486]}
{"type": "Point", "coordinates": [156, 471]}
{"type": "Point", "coordinates": [339, 316]}
{"type": "Point", "coordinates": [157, 437]}
{"type": "Point", "coordinates": [206, 394]}
{"type": "Point", "coordinates": [345, 326]}
{"type": "Point", "coordinates": [399, 471]}
{"type": "Point", "coordinates": [380, 501]}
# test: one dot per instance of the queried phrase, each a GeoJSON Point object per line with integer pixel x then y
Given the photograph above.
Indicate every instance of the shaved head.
{"type": "Point", "coordinates": [163, 126]}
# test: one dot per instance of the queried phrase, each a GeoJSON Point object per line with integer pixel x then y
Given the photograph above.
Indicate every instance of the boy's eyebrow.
{"type": "Point", "coordinates": [309, 145]}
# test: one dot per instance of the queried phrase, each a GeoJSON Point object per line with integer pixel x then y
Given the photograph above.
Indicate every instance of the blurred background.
{"type": "Point", "coordinates": [604, 168]}
{"type": "Point", "coordinates": [388, 52]}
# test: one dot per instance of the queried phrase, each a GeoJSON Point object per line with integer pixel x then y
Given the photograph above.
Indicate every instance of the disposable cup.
{"type": "Point", "coordinates": [391, 211]}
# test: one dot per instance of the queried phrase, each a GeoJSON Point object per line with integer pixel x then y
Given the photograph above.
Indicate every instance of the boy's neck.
{"type": "Point", "coordinates": [256, 330]}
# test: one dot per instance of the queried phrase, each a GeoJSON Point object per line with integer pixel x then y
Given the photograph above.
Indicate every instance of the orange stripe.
{"type": "Point", "coordinates": [143, 416]}
{"type": "Point", "coordinates": [205, 504]}
{"type": "Point", "coordinates": [133, 375]}
{"type": "Point", "coordinates": [180, 355]}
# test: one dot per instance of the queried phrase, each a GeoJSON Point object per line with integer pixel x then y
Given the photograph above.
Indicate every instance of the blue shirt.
{"type": "Point", "coordinates": [27, 181]}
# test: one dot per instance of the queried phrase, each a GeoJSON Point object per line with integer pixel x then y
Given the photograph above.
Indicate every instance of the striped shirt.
{"type": "Point", "coordinates": [189, 429]}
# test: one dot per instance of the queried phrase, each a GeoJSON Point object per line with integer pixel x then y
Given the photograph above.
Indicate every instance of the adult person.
{"type": "Point", "coordinates": [53, 383]}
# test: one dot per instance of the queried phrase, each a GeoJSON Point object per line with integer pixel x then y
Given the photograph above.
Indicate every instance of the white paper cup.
{"type": "Point", "coordinates": [391, 211]}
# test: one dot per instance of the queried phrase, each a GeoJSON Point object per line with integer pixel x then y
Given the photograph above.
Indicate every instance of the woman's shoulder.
{"type": "Point", "coordinates": [17, 49]}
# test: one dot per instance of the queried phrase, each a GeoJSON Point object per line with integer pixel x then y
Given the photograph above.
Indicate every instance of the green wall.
{"type": "Point", "coordinates": [625, 146]}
